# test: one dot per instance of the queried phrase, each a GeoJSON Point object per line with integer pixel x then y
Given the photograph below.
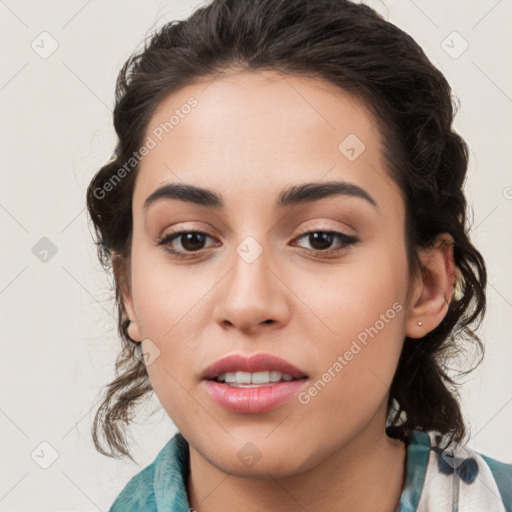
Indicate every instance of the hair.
{"type": "Point", "coordinates": [352, 47]}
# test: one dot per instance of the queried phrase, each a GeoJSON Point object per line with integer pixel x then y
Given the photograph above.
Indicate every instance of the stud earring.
{"type": "Point", "coordinates": [420, 324]}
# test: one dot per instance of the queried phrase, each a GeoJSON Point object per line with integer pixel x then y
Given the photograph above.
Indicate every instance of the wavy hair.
{"type": "Point", "coordinates": [354, 48]}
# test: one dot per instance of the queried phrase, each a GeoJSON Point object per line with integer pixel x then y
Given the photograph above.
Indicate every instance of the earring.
{"type": "Point", "coordinates": [420, 324]}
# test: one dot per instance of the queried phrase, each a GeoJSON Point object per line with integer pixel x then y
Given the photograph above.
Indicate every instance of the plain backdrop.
{"type": "Point", "coordinates": [59, 62]}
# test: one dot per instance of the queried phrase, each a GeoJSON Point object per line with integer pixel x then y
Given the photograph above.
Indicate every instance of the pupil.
{"type": "Point", "coordinates": [193, 241]}
{"type": "Point", "coordinates": [319, 237]}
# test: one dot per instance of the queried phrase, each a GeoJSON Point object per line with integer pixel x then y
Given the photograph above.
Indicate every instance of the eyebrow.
{"type": "Point", "coordinates": [304, 193]}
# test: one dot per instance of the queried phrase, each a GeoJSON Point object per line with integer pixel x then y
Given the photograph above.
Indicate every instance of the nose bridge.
{"type": "Point", "coordinates": [252, 294]}
{"type": "Point", "coordinates": [250, 281]}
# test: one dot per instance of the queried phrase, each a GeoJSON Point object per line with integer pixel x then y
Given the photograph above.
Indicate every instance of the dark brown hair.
{"type": "Point", "coordinates": [354, 48]}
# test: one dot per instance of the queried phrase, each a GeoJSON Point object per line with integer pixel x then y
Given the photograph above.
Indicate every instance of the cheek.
{"type": "Point", "coordinates": [171, 374]}
{"type": "Point", "coordinates": [359, 343]}
{"type": "Point", "coordinates": [355, 373]}
{"type": "Point", "coordinates": [346, 299]}
{"type": "Point", "coordinates": [165, 294]}
{"type": "Point", "coordinates": [167, 302]}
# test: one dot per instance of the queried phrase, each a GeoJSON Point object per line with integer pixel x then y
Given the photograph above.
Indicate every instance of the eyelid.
{"type": "Point", "coordinates": [186, 228]}
{"type": "Point", "coordinates": [323, 225]}
{"type": "Point", "coordinates": [175, 234]}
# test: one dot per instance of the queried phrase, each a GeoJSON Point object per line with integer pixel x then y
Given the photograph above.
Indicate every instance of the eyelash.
{"type": "Point", "coordinates": [346, 241]}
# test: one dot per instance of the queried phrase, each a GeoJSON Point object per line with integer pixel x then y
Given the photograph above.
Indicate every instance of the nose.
{"type": "Point", "coordinates": [253, 297]}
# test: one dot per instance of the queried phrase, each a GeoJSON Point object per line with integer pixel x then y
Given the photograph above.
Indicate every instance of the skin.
{"type": "Point", "coordinates": [251, 135]}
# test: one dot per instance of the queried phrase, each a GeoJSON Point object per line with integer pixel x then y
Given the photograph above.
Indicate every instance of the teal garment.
{"type": "Point", "coordinates": [456, 479]}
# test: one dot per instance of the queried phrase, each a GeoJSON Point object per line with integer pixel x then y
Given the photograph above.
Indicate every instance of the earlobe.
{"type": "Point", "coordinates": [431, 298]}
{"type": "Point", "coordinates": [121, 274]}
{"type": "Point", "coordinates": [133, 331]}
{"type": "Point", "coordinates": [133, 328]}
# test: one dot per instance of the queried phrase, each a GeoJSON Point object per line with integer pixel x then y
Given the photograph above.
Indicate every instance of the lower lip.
{"type": "Point", "coordinates": [253, 400]}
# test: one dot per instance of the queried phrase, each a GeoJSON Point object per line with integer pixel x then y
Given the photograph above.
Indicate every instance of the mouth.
{"type": "Point", "coordinates": [256, 370]}
{"type": "Point", "coordinates": [242, 379]}
{"type": "Point", "coordinates": [255, 384]}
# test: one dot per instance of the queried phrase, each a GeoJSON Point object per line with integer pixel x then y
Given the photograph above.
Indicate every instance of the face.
{"type": "Point", "coordinates": [319, 280]}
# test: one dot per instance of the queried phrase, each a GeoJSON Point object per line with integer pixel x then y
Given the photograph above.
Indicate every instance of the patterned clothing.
{"type": "Point", "coordinates": [451, 480]}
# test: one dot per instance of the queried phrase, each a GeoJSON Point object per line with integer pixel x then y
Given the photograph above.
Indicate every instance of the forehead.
{"type": "Point", "coordinates": [251, 132]}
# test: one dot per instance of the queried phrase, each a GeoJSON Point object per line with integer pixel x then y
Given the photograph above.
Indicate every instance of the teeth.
{"type": "Point", "coordinates": [257, 378]}
{"type": "Point", "coordinates": [275, 376]}
{"type": "Point", "coordinates": [243, 378]}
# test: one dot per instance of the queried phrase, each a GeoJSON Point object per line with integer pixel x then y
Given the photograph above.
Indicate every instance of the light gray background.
{"type": "Point", "coordinates": [58, 332]}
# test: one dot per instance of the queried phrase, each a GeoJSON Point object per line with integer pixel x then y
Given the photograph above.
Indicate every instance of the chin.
{"type": "Point", "coordinates": [264, 462]}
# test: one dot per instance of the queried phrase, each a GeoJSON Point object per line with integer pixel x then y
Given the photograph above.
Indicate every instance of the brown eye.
{"type": "Point", "coordinates": [322, 240]}
{"type": "Point", "coordinates": [190, 241]}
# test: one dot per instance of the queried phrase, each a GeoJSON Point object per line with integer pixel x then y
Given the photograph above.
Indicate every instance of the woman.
{"type": "Point", "coordinates": [285, 219]}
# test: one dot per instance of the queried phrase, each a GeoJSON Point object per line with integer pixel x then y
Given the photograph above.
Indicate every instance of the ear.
{"type": "Point", "coordinates": [433, 291]}
{"type": "Point", "coordinates": [121, 269]}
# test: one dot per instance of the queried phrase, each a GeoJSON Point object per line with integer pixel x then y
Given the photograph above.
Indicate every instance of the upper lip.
{"type": "Point", "coordinates": [255, 363]}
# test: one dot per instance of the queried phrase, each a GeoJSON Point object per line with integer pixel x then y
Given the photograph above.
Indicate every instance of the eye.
{"type": "Point", "coordinates": [321, 241]}
{"type": "Point", "coordinates": [192, 242]}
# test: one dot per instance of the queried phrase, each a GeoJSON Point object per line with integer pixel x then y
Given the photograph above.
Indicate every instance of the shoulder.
{"type": "Point", "coordinates": [502, 474]}
{"type": "Point", "coordinates": [161, 482]}
{"type": "Point", "coordinates": [138, 493]}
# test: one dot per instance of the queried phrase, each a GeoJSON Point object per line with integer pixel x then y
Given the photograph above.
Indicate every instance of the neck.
{"type": "Point", "coordinates": [351, 478]}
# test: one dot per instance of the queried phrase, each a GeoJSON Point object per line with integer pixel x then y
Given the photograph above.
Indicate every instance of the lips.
{"type": "Point", "coordinates": [256, 363]}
